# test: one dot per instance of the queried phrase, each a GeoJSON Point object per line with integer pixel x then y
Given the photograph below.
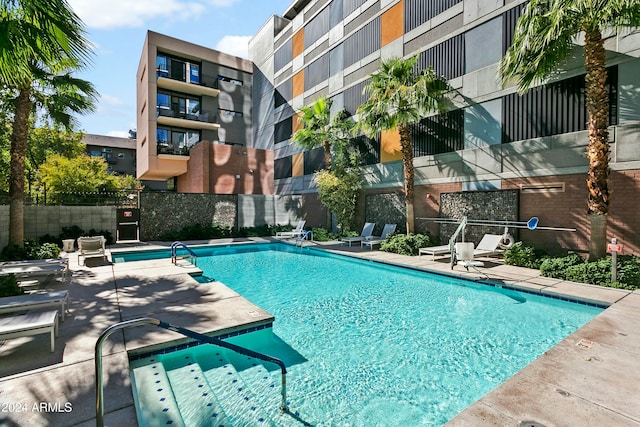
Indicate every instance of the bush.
{"type": "Point", "coordinates": [13, 253]}
{"type": "Point", "coordinates": [197, 232]}
{"type": "Point", "coordinates": [523, 255]}
{"type": "Point", "coordinates": [47, 250]}
{"type": "Point", "coordinates": [9, 286]}
{"type": "Point", "coordinates": [599, 272]}
{"type": "Point", "coordinates": [323, 235]}
{"type": "Point", "coordinates": [557, 267]}
{"type": "Point", "coordinates": [259, 231]}
{"type": "Point", "coordinates": [406, 244]}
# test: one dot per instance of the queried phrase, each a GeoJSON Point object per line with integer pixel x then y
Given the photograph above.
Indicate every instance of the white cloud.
{"type": "Point", "coordinates": [234, 45]}
{"type": "Point", "coordinates": [118, 133]}
{"type": "Point", "coordinates": [107, 14]}
{"type": "Point", "coordinates": [112, 101]}
{"type": "Point", "coordinates": [223, 3]}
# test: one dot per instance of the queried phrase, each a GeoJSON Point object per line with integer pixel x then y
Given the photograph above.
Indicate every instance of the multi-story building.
{"type": "Point", "coordinates": [120, 155]}
{"type": "Point", "coordinates": [194, 121]}
{"type": "Point", "coordinates": [492, 139]}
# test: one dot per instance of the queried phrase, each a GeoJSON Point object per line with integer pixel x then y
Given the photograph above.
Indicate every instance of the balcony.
{"type": "Point", "coordinates": [170, 117]}
{"type": "Point", "coordinates": [166, 81]}
{"type": "Point", "coordinates": [165, 147]}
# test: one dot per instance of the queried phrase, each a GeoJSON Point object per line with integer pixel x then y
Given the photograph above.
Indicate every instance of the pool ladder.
{"type": "Point", "coordinates": [174, 253]}
{"type": "Point", "coordinates": [306, 235]}
{"type": "Point", "coordinates": [187, 333]}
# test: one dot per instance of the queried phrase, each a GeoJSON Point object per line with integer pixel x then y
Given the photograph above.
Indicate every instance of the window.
{"type": "Point", "coordinates": [179, 106]}
{"type": "Point", "coordinates": [177, 69]}
{"type": "Point", "coordinates": [176, 141]}
{"type": "Point", "coordinates": [194, 73]}
{"type": "Point", "coordinates": [162, 66]}
{"type": "Point", "coordinates": [164, 101]}
{"type": "Point", "coordinates": [283, 130]}
{"type": "Point", "coordinates": [230, 80]}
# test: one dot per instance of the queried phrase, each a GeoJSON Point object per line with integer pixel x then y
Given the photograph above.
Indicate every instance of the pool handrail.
{"type": "Point", "coordinates": [306, 235]}
{"type": "Point", "coordinates": [187, 333]}
{"type": "Point", "coordinates": [174, 252]}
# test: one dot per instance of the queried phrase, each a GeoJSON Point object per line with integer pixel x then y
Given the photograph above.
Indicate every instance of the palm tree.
{"type": "Point", "coordinates": [316, 128]}
{"type": "Point", "coordinates": [399, 97]}
{"type": "Point", "coordinates": [546, 35]}
{"type": "Point", "coordinates": [41, 43]}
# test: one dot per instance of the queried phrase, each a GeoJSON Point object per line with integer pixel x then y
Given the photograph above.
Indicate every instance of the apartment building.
{"type": "Point", "coordinates": [194, 121]}
{"type": "Point", "coordinates": [492, 139]}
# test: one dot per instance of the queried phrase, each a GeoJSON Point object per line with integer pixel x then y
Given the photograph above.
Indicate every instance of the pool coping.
{"type": "Point", "coordinates": [590, 378]}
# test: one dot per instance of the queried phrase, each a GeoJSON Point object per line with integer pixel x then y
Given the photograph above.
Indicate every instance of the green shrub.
{"type": "Point", "coordinates": [197, 232]}
{"type": "Point", "coordinates": [9, 286]}
{"type": "Point", "coordinates": [13, 253]}
{"type": "Point", "coordinates": [322, 235]}
{"type": "Point", "coordinates": [72, 232]}
{"type": "Point", "coordinates": [557, 267]}
{"type": "Point", "coordinates": [47, 250]}
{"type": "Point", "coordinates": [406, 244]}
{"type": "Point", "coordinates": [599, 272]}
{"type": "Point", "coordinates": [523, 255]}
{"type": "Point", "coordinates": [259, 231]}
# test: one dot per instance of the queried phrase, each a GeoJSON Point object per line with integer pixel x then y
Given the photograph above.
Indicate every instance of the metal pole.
{"type": "Point", "coordinates": [614, 261]}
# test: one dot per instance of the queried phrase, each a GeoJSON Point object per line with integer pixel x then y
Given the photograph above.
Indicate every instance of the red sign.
{"type": "Point", "coordinates": [614, 248]}
{"type": "Point", "coordinates": [128, 214]}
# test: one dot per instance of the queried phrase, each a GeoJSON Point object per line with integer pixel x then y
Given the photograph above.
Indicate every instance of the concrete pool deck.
{"type": "Point", "coordinates": [591, 378]}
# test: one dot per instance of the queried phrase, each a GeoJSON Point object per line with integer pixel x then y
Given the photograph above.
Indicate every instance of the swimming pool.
{"type": "Point", "coordinates": [371, 344]}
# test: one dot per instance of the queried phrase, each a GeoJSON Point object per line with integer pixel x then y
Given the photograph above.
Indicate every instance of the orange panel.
{"type": "Point", "coordinates": [392, 23]}
{"type": "Point", "coordinates": [298, 83]}
{"type": "Point", "coordinates": [298, 42]}
{"type": "Point", "coordinates": [390, 148]}
{"type": "Point", "coordinates": [297, 124]}
{"type": "Point", "coordinates": [297, 167]}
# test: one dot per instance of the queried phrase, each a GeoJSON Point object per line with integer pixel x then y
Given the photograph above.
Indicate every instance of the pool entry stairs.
{"type": "Point", "coordinates": [207, 387]}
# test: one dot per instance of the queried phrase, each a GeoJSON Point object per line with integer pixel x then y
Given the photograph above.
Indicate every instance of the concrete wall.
{"type": "Point", "coordinates": [41, 220]}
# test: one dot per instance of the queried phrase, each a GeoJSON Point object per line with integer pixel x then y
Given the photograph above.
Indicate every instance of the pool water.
{"type": "Point", "coordinates": [370, 344]}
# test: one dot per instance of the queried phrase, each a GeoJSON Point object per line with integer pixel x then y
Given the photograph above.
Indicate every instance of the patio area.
{"type": "Point", "coordinates": [589, 379]}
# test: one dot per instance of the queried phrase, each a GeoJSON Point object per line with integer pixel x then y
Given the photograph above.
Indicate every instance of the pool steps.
{"type": "Point", "coordinates": [229, 390]}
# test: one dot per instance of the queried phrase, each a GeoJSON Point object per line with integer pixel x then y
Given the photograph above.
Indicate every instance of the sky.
{"type": "Point", "coordinates": [117, 29]}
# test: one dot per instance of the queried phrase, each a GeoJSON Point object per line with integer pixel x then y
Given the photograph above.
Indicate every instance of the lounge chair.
{"type": "Point", "coordinates": [24, 325]}
{"type": "Point", "coordinates": [434, 250]}
{"type": "Point", "coordinates": [34, 271]}
{"type": "Point", "coordinates": [35, 301]}
{"type": "Point", "coordinates": [296, 232]}
{"type": "Point", "coordinates": [367, 231]}
{"type": "Point", "coordinates": [489, 245]}
{"type": "Point", "coordinates": [388, 229]}
{"type": "Point", "coordinates": [37, 262]}
{"type": "Point", "coordinates": [92, 247]}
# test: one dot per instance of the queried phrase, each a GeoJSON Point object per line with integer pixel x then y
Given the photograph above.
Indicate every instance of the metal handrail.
{"type": "Point", "coordinates": [304, 236]}
{"type": "Point", "coordinates": [187, 333]}
{"type": "Point", "coordinates": [174, 252]}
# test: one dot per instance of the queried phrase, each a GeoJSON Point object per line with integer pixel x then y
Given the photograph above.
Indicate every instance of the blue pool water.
{"type": "Point", "coordinates": [369, 344]}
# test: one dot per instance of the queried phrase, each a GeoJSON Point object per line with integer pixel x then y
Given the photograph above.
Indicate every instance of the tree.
{"type": "Point", "coordinates": [317, 130]}
{"type": "Point", "coordinates": [41, 43]}
{"type": "Point", "coordinates": [399, 97]}
{"type": "Point", "coordinates": [80, 174]}
{"type": "Point", "coordinates": [546, 35]}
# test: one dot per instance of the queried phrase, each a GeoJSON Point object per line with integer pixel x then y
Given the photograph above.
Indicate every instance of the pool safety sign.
{"type": "Point", "coordinates": [614, 247]}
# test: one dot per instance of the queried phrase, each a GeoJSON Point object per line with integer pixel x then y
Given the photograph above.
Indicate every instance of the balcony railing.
{"type": "Point", "coordinates": [173, 149]}
{"type": "Point", "coordinates": [183, 78]}
{"type": "Point", "coordinates": [168, 112]}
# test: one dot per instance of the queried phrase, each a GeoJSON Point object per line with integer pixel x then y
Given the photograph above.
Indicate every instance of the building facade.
{"type": "Point", "coordinates": [493, 139]}
{"type": "Point", "coordinates": [194, 121]}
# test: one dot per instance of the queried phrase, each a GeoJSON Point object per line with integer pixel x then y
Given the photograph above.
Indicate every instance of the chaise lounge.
{"type": "Point", "coordinates": [35, 301]}
{"type": "Point", "coordinates": [91, 247]}
{"type": "Point", "coordinates": [366, 233]}
{"type": "Point", "coordinates": [24, 325]}
{"type": "Point", "coordinates": [296, 232]}
{"type": "Point", "coordinates": [388, 229]}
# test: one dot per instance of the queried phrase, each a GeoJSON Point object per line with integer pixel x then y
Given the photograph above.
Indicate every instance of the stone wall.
{"type": "Point", "coordinates": [499, 205]}
{"type": "Point", "coordinates": [386, 208]}
{"type": "Point", "coordinates": [168, 211]}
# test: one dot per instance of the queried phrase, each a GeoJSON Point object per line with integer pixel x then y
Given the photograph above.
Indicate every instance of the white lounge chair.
{"type": "Point", "coordinates": [366, 233]}
{"type": "Point", "coordinates": [35, 301]}
{"type": "Point", "coordinates": [388, 229]}
{"type": "Point", "coordinates": [296, 232]}
{"type": "Point", "coordinates": [24, 325]}
{"type": "Point", "coordinates": [37, 262]}
{"type": "Point", "coordinates": [489, 245]}
{"type": "Point", "coordinates": [92, 247]}
{"type": "Point", "coordinates": [34, 271]}
{"type": "Point", "coordinates": [434, 250]}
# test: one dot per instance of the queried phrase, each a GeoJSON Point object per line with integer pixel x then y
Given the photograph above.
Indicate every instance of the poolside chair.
{"type": "Point", "coordinates": [91, 247]}
{"type": "Point", "coordinates": [64, 262]}
{"type": "Point", "coordinates": [296, 232]}
{"type": "Point", "coordinates": [34, 271]}
{"type": "Point", "coordinates": [388, 229]}
{"type": "Point", "coordinates": [489, 245]}
{"type": "Point", "coordinates": [24, 325]}
{"type": "Point", "coordinates": [367, 230]}
{"type": "Point", "coordinates": [434, 250]}
{"type": "Point", "coordinates": [35, 301]}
